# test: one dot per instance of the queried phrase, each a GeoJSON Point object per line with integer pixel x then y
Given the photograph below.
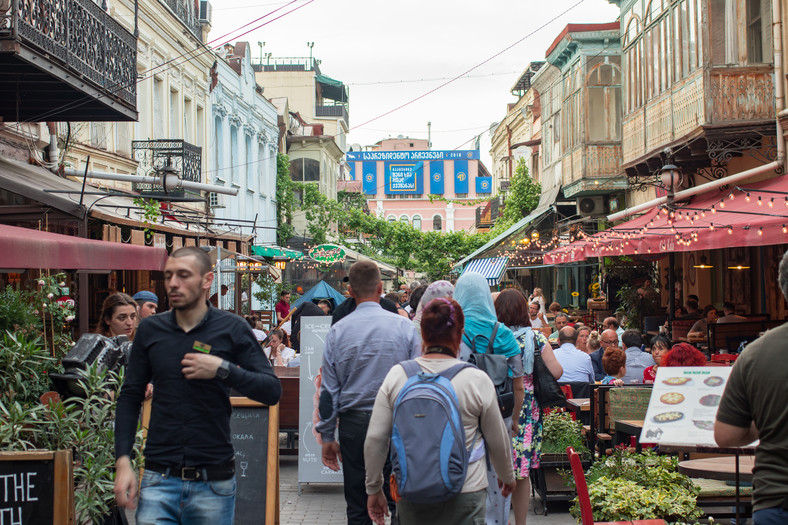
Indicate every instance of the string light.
{"type": "Point", "coordinates": [771, 202]}
{"type": "Point", "coordinates": [760, 231]}
{"type": "Point", "coordinates": [760, 202]}
{"type": "Point", "coordinates": [730, 230]}
{"type": "Point", "coordinates": [712, 209]}
{"type": "Point", "coordinates": [730, 195]}
{"type": "Point", "coordinates": [711, 227]}
{"type": "Point", "coordinates": [747, 198]}
{"type": "Point", "coordinates": [722, 203]}
{"type": "Point", "coordinates": [785, 230]}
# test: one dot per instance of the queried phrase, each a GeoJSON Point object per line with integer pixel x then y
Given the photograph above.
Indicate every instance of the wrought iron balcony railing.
{"type": "Point", "coordinates": [153, 155]}
{"type": "Point", "coordinates": [80, 37]}
{"type": "Point", "coordinates": [185, 11]}
{"type": "Point", "coordinates": [333, 111]}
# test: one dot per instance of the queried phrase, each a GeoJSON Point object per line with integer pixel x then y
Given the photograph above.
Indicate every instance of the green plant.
{"type": "Point", "coordinates": [561, 431]}
{"type": "Point", "coordinates": [26, 364]}
{"type": "Point", "coordinates": [630, 486]}
{"type": "Point", "coordinates": [523, 195]}
{"type": "Point", "coordinates": [15, 311]}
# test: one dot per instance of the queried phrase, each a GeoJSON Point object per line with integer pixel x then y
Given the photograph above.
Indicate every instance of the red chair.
{"type": "Point", "coordinates": [586, 514]}
{"type": "Point", "coordinates": [567, 390]}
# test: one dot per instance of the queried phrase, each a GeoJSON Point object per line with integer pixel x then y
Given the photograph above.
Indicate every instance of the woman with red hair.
{"type": "Point", "coordinates": [684, 354]}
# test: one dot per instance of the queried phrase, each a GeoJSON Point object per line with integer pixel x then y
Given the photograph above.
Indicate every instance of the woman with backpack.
{"type": "Point", "coordinates": [512, 310]}
{"type": "Point", "coordinates": [416, 449]}
{"type": "Point", "coordinates": [484, 333]}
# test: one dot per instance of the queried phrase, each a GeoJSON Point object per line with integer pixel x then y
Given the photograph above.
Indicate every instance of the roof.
{"type": "Point", "coordinates": [275, 251]}
{"type": "Point", "coordinates": [581, 28]}
{"type": "Point", "coordinates": [333, 89]}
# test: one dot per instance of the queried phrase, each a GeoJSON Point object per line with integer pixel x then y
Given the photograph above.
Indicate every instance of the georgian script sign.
{"type": "Point", "coordinates": [36, 488]}
{"type": "Point", "coordinates": [327, 253]}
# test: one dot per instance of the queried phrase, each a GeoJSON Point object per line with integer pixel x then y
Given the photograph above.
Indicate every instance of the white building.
{"type": "Point", "coordinates": [243, 142]}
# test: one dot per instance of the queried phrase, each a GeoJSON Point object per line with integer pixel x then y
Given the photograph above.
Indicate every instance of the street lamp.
{"type": "Point", "coordinates": [670, 175]}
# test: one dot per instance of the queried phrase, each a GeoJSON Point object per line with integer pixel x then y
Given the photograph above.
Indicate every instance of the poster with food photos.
{"type": "Point", "coordinates": [683, 405]}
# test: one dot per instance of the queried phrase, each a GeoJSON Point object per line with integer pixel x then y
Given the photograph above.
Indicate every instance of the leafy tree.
{"type": "Point", "coordinates": [285, 199]}
{"type": "Point", "coordinates": [523, 196]}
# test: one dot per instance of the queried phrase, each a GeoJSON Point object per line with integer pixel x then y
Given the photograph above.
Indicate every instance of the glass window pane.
{"type": "Point", "coordinates": [311, 170]}
{"type": "Point", "coordinates": [297, 170]}
{"type": "Point", "coordinates": [417, 222]}
{"type": "Point", "coordinates": [596, 114]}
{"type": "Point", "coordinates": [437, 223]}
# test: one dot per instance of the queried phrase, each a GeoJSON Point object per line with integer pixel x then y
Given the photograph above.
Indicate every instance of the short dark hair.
{"type": "Point", "coordinates": [631, 338]}
{"type": "Point", "coordinates": [561, 314]}
{"type": "Point", "coordinates": [567, 334]}
{"type": "Point", "coordinates": [283, 293]}
{"type": "Point", "coordinates": [692, 303]}
{"type": "Point", "coordinates": [201, 256]}
{"type": "Point", "coordinates": [324, 301]}
{"type": "Point", "coordinates": [612, 321]}
{"type": "Point", "coordinates": [442, 322]}
{"type": "Point", "coordinates": [613, 360]}
{"type": "Point", "coordinates": [727, 305]}
{"type": "Point", "coordinates": [511, 308]}
{"type": "Point", "coordinates": [416, 295]}
{"type": "Point", "coordinates": [393, 297]}
{"type": "Point", "coordinates": [660, 339]}
{"type": "Point", "coordinates": [363, 278]}
{"type": "Point", "coordinates": [708, 308]}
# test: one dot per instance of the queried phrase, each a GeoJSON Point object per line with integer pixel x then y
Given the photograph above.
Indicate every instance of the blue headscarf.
{"type": "Point", "coordinates": [473, 294]}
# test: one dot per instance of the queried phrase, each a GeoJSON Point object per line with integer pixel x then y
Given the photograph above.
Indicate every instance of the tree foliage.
{"type": "Point", "coordinates": [523, 196]}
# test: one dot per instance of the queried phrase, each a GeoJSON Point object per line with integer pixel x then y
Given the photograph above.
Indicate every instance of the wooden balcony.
{"type": "Point", "coordinates": [65, 60]}
{"type": "Point", "coordinates": [704, 106]}
{"type": "Point", "coordinates": [593, 168]}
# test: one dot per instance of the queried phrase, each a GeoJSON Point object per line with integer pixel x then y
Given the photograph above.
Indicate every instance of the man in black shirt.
{"type": "Point", "coordinates": [194, 354]}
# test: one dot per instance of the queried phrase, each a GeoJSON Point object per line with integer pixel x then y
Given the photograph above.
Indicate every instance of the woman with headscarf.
{"type": "Point", "coordinates": [473, 294]}
{"type": "Point", "coordinates": [433, 291]}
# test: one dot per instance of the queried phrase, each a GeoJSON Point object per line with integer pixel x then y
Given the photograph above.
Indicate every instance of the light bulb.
{"type": "Point", "coordinates": [771, 202]}
{"type": "Point", "coordinates": [760, 231]}
{"type": "Point", "coordinates": [747, 198]}
{"type": "Point", "coordinates": [760, 202]}
{"type": "Point", "coordinates": [730, 195]}
{"type": "Point", "coordinates": [730, 230]}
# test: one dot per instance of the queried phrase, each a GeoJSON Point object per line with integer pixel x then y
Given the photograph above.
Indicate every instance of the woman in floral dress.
{"type": "Point", "coordinates": [512, 310]}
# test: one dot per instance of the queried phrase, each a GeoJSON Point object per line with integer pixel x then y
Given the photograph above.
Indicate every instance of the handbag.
{"type": "Point", "coordinates": [546, 389]}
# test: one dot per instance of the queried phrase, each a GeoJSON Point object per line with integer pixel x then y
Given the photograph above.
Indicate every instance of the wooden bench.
{"type": "Point", "coordinates": [680, 328]}
{"type": "Point", "coordinates": [728, 336]}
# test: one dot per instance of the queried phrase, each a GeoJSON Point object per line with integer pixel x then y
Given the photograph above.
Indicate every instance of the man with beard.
{"type": "Point", "coordinates": [194, 353]}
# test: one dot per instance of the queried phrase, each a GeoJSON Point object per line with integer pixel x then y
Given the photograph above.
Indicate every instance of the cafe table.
{"type": "Point", "coordinates": [628, 427]}
{"type": "Point", "coordinates": [578, 405]}
{"type": "Point", "coordinates": [721, 468]}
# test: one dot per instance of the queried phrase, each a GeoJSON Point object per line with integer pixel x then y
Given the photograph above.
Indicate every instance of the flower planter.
{"type": "Point", "coordinates": [547, 484]}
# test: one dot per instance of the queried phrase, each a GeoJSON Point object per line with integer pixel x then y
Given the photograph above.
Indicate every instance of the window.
{"type": "Point", "coordinates": [158, 109]}
{"type": "Point", "coordinates": [460, 195]}
{"type": "Point", "coordinates": [175, 110]}
{"type": "Point", "coordinates": [417, 222]}
{"type": "Point", "coordinates": [249, 165]}
{"type": "Point", "coordinates": [759, 49]}
{"type": "Point", "coordinates": [98, 135]}
{"type": "Point", "coordinates": [404, 219]}
{"type": "Point", "coordinates": [305, 170]}
{"type": "Point", "coordinates": [188, 132]}
{"type": "Point", "coordinates": [392, 218]}
{"type": "Point", "coordinates": [437, 223]}
{"type": "Point", "coordinates": [603, 122]}
{"type": "Point", "coordinates": [233, 152]}
{"type": "Point", "coordinates": [218, 148]}
{"type": "Point", "coordinates": [727, 41]}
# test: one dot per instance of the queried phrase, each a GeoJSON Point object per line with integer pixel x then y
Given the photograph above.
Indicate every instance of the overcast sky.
{"type": "Point", "coordinates": [391, 53]}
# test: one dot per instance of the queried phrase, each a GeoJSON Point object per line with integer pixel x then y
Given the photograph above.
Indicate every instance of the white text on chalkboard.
{"type": "Point", "coordinates": [17, 487]}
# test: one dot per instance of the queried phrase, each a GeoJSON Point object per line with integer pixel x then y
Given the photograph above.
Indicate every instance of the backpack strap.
{"type": "Point", "coordinates": [491, 342]}
{"type": "Point", "coordinates": [452, 371]}
{"type": "Point", "coordinates": [411, 367]}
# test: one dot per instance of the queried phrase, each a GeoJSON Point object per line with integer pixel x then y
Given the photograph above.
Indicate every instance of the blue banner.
{"type": "Point", "coordinates": [483, 184]}
{"type": "Point", "coordinates": [370, 184]}
{"type": "Point", "coordinates": [464, 154]}
{"type": "Point", "coordinates": [436, 178]}
{"type": "Point", "coordinates": [352, 170]}
{"type": "Point", "coordinates": [460, 176]}
{"type": "Point", "coordinates": [404, 178]}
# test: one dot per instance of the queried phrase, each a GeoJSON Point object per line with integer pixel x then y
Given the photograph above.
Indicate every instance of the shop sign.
{"type": "Point", "coordinates": [327, 253]}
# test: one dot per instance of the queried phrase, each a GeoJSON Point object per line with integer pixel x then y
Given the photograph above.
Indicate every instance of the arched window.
{"type": "Point", "coordinates": [437, 223]}
{"type": "Point", "coordinates": [305, 170]}
{"type": "Point", "coordinates": [391, 218]}
{"type": "Point", "coordinates": [404, 218]}
{"type": "Point", "coordinates": [417, 222]}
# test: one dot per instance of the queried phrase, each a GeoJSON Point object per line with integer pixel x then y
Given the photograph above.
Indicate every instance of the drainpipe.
{"type": "Point", "coordinates": [54, 153]}
{"type": "Point", "coordinates": [779, 106]}
{"type": "Point", "coordinates": [170, 181]}
{"type": "Point", "coordinates": [509, 149]}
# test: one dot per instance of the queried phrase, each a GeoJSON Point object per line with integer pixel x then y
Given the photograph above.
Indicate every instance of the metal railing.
{"type": "Point", "coordinates": [81, 36]}
{"type": "Point", "coordinates": [332, 111]}
{"type": "Point", "coordinates": [186, 13]}
{"type": "Point", "coordinates": [153, 155]}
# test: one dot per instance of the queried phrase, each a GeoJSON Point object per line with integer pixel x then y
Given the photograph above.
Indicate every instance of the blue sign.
{"type": "Point", "coordinates": [404, 178]}
{"type": "Point", "coordinates": [467, 154]}
{"type": "Point", "coordinates": [370, 184]}
{"type": "Point", "coordinates": [352, 169]}
{"type": "Point", "coordinates": [483, 184]}
{"type": "Point", "coordinates": [460, 176]}
{"type": "Point", "coordinates": [436, 178]}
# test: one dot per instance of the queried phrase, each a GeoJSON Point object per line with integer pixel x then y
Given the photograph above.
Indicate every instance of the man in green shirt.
{"type": "Point", "coordinates": [753, 407]}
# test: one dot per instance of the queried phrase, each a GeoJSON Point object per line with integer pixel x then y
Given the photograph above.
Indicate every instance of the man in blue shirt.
{"type": "Point", "coordinates": [637, 359]}
{"type": "Point", "coordinates": [360, 350]}
{"type": "Point", "coordinates": [576, 363]}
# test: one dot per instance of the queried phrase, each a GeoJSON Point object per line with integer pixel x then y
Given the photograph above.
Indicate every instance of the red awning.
{"type": "Point", "coordinates": [27, 248]}
{"type": "Point", "coordinates": [748, 215]}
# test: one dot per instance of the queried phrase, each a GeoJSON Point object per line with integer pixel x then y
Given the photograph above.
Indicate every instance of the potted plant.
{"type": "Point", "coordinates": [634, 486]}
{"type": "Point", "coordinates": [560, 431]}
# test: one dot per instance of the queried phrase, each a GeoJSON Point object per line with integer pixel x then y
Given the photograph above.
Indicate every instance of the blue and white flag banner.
{"type": "Point", "coordinates": [483, 184]}
{"type": "Point", "coordinates": [370, 185]}
{"type": "Point", "coordinates": [436, 178]}
{"type": "Point", "coordinates": [460, 176]}
{"type": "Point", "coordinates": [404, 178]}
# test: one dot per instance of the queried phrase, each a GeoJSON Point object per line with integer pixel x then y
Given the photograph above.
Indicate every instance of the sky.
{"type": "Point", "coordinates": [401, 53]}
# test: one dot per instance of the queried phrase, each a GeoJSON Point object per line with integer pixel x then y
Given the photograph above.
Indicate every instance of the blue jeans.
{"type": "Point", "coordinates": [168, 499]}
{"type": "Point", "coordinates": [772, 516]}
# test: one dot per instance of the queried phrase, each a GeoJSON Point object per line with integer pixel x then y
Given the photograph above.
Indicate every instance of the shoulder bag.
{"type": "Point", "coordinates": [546, 389]}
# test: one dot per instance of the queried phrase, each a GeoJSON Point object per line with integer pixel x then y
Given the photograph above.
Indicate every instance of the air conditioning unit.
{"type": "Point", "coordinates": [594, 205]}
{"type": "Point", "coordinates": [206, 11]}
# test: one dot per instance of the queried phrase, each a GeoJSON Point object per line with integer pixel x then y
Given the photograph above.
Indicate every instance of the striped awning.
{"type": "Point", "coordinates": [491, 268]}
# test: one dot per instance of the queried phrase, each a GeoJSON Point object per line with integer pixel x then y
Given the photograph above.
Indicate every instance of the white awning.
{"type": "Point", "coordinates": [491, 268]}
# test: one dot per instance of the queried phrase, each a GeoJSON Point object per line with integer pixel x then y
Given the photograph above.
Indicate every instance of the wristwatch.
{"type": "Point", "coordinates": [224, 370]}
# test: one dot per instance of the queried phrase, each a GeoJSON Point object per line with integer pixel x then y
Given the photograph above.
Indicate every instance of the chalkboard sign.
{"type": "Point", "coordinates": [36, 488]}
{"type": "Point", "coordinates": [254, 428]}
{"type": "Point", "coordinates": [310, 464]}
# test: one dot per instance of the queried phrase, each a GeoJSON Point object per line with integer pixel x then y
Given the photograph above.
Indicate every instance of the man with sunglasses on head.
{"type": "Point", "coordinates": [609, 339]}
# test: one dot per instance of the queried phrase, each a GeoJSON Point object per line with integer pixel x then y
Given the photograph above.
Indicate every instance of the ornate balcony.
{"type": "Point", "coordinates": [153, 155]}
{"type": "Point", "coordinates": [65, 60]}
{"type": "Point", "coordinates": [185, 11]}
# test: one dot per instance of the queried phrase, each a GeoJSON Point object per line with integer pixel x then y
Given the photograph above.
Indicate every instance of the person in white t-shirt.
{"type": "Point", "coordinates": [280, 353]}
{"type": "Point", "coordinates": [537, 317]}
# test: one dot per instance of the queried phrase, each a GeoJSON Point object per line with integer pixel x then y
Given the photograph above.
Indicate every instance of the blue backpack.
{"type": "Point", "coordinates": [428, 455]}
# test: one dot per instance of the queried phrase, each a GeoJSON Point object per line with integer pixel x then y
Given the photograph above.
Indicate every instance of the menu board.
{"type": "Point", "coordinates": [684, 404]}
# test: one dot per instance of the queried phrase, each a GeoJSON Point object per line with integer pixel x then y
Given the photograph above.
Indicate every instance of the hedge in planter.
{"type": "Point", "coordinates": [632, 486]}
{"type": "Point", "coordinates": [561, 431]}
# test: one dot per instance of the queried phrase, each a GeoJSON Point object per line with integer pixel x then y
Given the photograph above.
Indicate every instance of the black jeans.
{"type": "Point", "coordinates": [353, 426]}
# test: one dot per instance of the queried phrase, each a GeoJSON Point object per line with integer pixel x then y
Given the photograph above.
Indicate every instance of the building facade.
{"type": "Point", "coordinates": [423, 188]}
{"type": "Point", "coordinates": [243, 141]}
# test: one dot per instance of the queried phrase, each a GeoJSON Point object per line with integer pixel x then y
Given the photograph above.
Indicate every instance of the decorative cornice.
{"type": "Point", "coordinates": [219, 109]}
{"type": "Point", "coordinates": [235, 120]}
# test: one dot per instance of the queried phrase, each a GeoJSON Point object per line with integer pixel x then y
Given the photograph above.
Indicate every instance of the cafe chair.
{"type": "Point", "coordinates": [583, 499]}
